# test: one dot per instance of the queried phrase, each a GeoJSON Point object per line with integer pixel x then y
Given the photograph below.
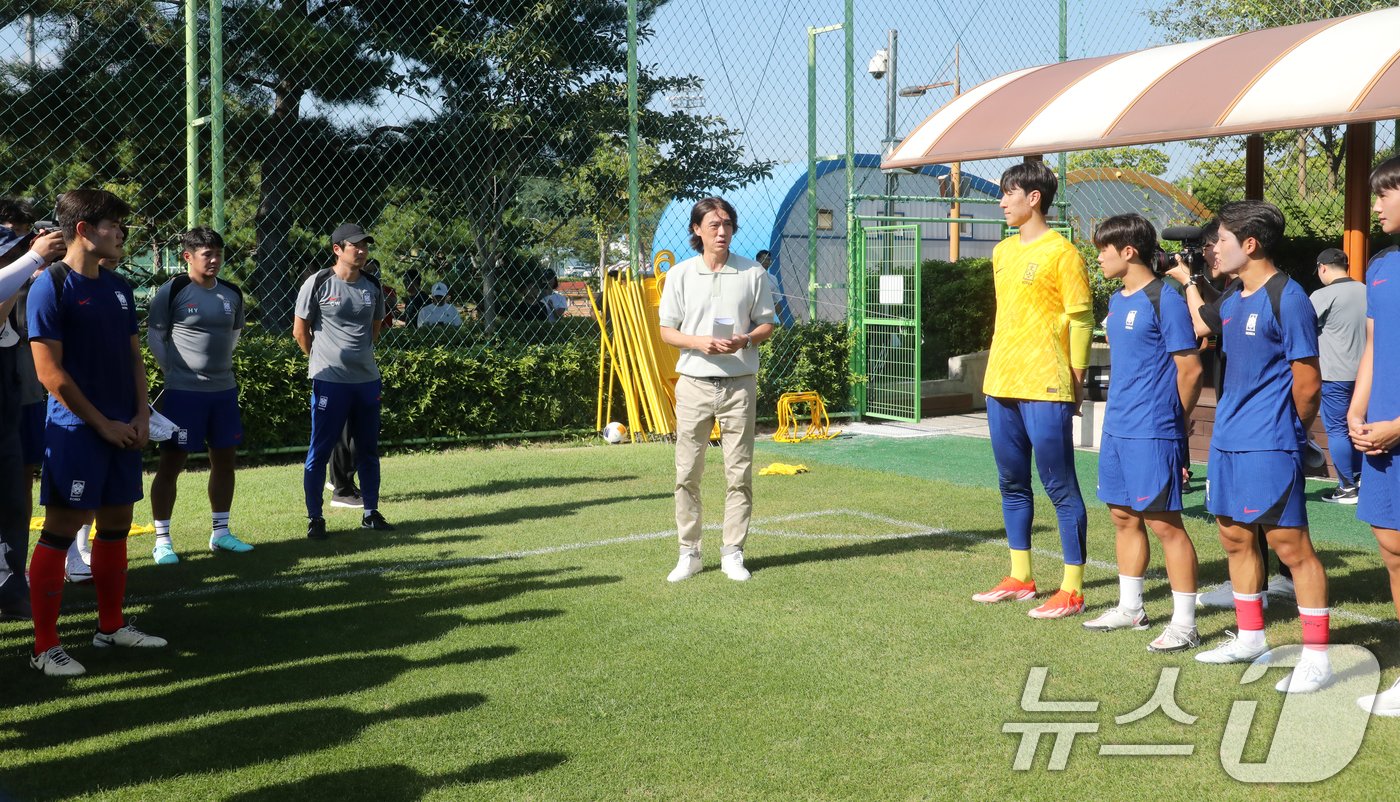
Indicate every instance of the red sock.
{"type": "Point", "coordinates": [1249, 612]}
{"type": "Point", "coordinates": [46, 589]}
{"type": "Point", "coordinates": [1316, 623]}
{"type": "Point", "coordinates": [109, 577]}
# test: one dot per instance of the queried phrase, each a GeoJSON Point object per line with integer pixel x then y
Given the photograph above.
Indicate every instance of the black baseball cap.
{"type": "Point", "coordinates": [1333, 256]}
{"type": "Point", "coordinates": [350, 232]}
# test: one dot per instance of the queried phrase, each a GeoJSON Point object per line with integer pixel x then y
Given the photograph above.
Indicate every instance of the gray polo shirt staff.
{"type": "Point", "coordinates": [1341, 328]}
{"type": "Point", "coordinates": [342, 345]}
{"type": "Point", "coordinates": [201, 335]}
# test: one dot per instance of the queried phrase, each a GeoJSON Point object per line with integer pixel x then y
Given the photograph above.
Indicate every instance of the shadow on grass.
{"type": "Point", "coordinates": [872, 548]}
{"type": "Point", "coordinates": [536, 513]}
{"type": "Point", "coordinates": [399, 783]}
{"type": "Point", "coordinates": [497, 486]}
{"type": "Point", "coordinates": [225, 746]}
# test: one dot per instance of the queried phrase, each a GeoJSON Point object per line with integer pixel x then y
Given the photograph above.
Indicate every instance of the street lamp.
{"type": "Point", "coordinates": [884, 65]}
{"type": "Point", "coordinates": [955, 210]}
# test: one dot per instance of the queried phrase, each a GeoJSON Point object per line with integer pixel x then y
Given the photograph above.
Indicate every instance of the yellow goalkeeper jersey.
{"type": "Point", "coordinates": [1038, 286]}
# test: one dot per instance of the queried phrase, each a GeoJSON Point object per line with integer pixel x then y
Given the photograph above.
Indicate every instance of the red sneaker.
{"type": "Point", "coordinates": [1062, 605]}
{"type": "Point", "coordinates": [1008, 589]}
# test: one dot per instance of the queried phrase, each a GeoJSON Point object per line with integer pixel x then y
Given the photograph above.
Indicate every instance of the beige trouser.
{"type": "Point", "coordinates": [699, 402]}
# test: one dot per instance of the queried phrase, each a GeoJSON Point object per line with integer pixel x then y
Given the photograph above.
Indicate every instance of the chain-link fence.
{"type": "Point", "coordinates": [486, 147]}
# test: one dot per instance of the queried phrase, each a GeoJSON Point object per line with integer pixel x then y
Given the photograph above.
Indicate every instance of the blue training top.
{"type": "Point", "coordinates": [94, 321]}
{"type": "Point", "coordinates": [1383, 309]}
{"type": "Point", "coordinates": [1257, 413]}
{"type": "Point", "coordinates": [1144, 330]}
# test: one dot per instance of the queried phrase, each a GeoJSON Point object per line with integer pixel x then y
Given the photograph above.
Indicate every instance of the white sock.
{"type": "Point", "coordinates": [1184, 609]}
{"type": "Point", "coordinates": [220, 526]}
{"type": "Point", "coordinates": [1253, 638]}
{"type": "Point", "coordinates": [368, 510]}
{"type": "Point", "coordinates": [163, 533]}
{"type": "Point", "coordinates": [1129, 593]}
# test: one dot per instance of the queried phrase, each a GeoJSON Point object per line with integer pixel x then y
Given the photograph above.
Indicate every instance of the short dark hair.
{"type": "Point", "coordinates": [90, 206]}
{"type": "Point", "coordinates": [697, 215]}
{"type": "Point", "coordinates": [16, 210]}
{"type": "Point", "coordinates": [1128, 230]}
{"type": "Point", "coordinates": [1210, 231]}
{"type": "Point", "coordinates": [1386, 176]}
{"type": "Point", "coordinates": [201, 237]}
{"type": "Point", "coordinates": [1253, 218]}
{"type": "Point", "coordinates": [412, 274]}
{"type": "Point", "coordinates": [1032, 176]}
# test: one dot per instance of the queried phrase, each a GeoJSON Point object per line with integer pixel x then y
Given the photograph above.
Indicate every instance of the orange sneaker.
{"type": "Point", "coordinates": [1063, 604]}
{"type": "Point", "coordinates": [1008, 589]}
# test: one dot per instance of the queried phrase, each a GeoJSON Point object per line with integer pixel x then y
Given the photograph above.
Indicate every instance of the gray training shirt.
{"type": "Point", "coordinates": [1341, 328]}
{"type": "Point", "coordinates": [342, 336]}
{"type": "Point", "coordinates": [199, 339]}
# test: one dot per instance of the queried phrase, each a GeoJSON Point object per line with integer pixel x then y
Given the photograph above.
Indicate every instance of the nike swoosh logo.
{"type": "Point", "coordinates": [83, 301]}
{"type": "Point", "coordinates": [1379, 282]}
{"type": "Point", "coordinates": [1143, 498]}
{"type": "Point", "coordinates": [1248, 511]}
{"type": "Point", "coordinates": [1226, 321]}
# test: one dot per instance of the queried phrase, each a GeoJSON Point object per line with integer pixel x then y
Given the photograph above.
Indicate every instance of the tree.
{"type": "Point", "coordinates": [1152, 161]}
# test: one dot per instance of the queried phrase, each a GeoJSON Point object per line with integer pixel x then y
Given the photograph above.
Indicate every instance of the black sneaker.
{"type": "Point", "coordinates": [316, 529]}
{"type": "Point", "coordinates": [1343, 495]}
{"type": "Point", "coordinates": [351, 500]}
{"type": "Point", "coordinates": [375, 521]}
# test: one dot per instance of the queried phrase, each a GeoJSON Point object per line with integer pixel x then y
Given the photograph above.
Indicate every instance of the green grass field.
{"type": "Point", "coordinates": [516, 639]}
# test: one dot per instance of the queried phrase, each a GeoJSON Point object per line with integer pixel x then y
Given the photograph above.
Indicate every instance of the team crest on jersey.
{"type": "Point", "coordinates": [75, 492]}
{"type": "Point", "coordinates": [369, 296]}
{"type": "Point", "coordinates": [121, 298]}
{"type": "Point", "coordinates": [1249, 325]}
{"type": "Point", "coordinates": [1028, 277]}
{"type": "Point", "coordinates": [228, 305]}
{"type": "Point", "coordinates": [1130, 320]}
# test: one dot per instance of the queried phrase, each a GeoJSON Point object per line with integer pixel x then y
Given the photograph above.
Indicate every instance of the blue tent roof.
{"type": "Point", "coordinates": [764, 206]}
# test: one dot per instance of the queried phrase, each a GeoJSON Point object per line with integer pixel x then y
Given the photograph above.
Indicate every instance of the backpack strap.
{"type": "Point", "coordinates": [1275, 287]}
{"type": "Point", "coordinates": [1154, 294]}
{"type": "Point", "coordinates": [176, 284]}
{"type": "Point", "coordinates": [322, 276]}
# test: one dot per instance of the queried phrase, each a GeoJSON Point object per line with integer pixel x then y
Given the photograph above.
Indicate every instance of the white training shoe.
{"type": "Point", "coordinates": [56, 663]}
{"type": "Point", "coordinates": [1282, 587]}
{"type": "Point", "coordinates": [75, 570]}
{"type": "Point", "coordinates": [1307, 677]}
{"type": "Point", "coordinates": [1222, 596]}
{"type": "Point", "coordinates": [1385, 703]}
{"type": "Point", "coordinates": [128, 636]}
{"type": "Point", "coordinates": [732, 564]}
{"type": "Point", "coordinates": [1175, 639]}
{"type": "Point", "coordinates": [1232, 650]}
{"type": "Point", "coordinates": [686, 567]}
{"type": "Point", "coordinates": [1115, 618]}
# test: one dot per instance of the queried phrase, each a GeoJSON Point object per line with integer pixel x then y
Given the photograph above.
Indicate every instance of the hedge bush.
{"type": "Point", "coordinates": [498, 386]}
{"type": "Point", "coordinates": [960, 307]}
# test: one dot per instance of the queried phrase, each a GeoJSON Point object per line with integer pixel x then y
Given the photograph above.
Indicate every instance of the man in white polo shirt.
{"type": "Point", "coordinates": [716, 308]}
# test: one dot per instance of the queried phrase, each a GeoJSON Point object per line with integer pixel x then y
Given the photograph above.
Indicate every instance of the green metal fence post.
{"type": "Point", "coordinates": [216, 114]}
{"type": "Point", "coordinates": [191, 115]}
{"type": "Point", "coordinates": [812, 34]}
{"type": "Point", "coordinates": [634, 187]}
{"type": "Point", "coordinates": [852, 297]}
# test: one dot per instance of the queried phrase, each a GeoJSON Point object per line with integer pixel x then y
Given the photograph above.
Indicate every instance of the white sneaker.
{"type": "Point", "coordinates": [686, 567]}
{"type": "Point", "coordinates": [1385, 703]}
{"type": "Point", "coordinates": [1115, 618]}
{"type": "Point", "coordinates": [75, 570]}
{"type": "Point", "coordinates": [56, 663]}
{"type": "Point", "coordinates": [732, 564]}
{"type": "Point", "coordinates": [128, 636]}
{"type": "Point", "coordinates": [1222, 596]}
{"type": "Point", "coordinates": [1232, 650]}
{"type": "Point", "coordinates": [1175, 639]}
{"type": "Point", "coordinates": [1282, 587]}
{"type": "Point", "coordinates": [1306, 677]}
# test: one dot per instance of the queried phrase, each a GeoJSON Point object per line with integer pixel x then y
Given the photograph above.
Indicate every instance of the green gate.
{"type": "Point", "coordinates": [887, 264]}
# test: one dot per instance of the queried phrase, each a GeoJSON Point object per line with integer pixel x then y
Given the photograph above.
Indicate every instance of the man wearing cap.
{"type": "Point", "coordinates": [339, 314]}
{"type": "Point", "coordinates": [1341, 337]}
{"type": "Point", "coordinates": [439, 312]}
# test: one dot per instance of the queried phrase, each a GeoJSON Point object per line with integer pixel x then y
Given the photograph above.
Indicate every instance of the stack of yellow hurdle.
{"type": "Point", "coordinates": [631, 357]}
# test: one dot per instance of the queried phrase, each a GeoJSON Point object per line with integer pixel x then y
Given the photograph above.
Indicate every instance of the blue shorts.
{"type": "Point", "coordinates": [1380, 492]}
{"type": "Point", "coordinates": [203, 416]}
{"type": "Point", "coordinates": [1256, 487]}
{"type": "Point", "coordinates": [1142, 475]}
{"type": "Point", "coordinates": [83, 471]}
{"type": "Point", "coordinates": [31, 431]}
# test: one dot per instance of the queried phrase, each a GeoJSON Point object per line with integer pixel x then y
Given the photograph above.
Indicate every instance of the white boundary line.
{"type": "Point", "coordinates": [908, 529]}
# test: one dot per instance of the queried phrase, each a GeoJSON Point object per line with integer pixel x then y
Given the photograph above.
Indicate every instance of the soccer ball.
{"type": "Point", "coordinates": [614, 432]}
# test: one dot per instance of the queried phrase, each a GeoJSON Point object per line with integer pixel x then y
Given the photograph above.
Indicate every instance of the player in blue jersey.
{"type": "Point", "coordinates": [1156, 378]}
{"type": "Point", "coordinates": [1268, 333]}
{"type": "Point", "coordinates": [1374, 416]}
{"type": "Point", "coordinates": [82, 330]}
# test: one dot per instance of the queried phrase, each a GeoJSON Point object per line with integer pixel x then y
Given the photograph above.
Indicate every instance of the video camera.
{"type": "Point", "coordinates": [1190, 255]}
